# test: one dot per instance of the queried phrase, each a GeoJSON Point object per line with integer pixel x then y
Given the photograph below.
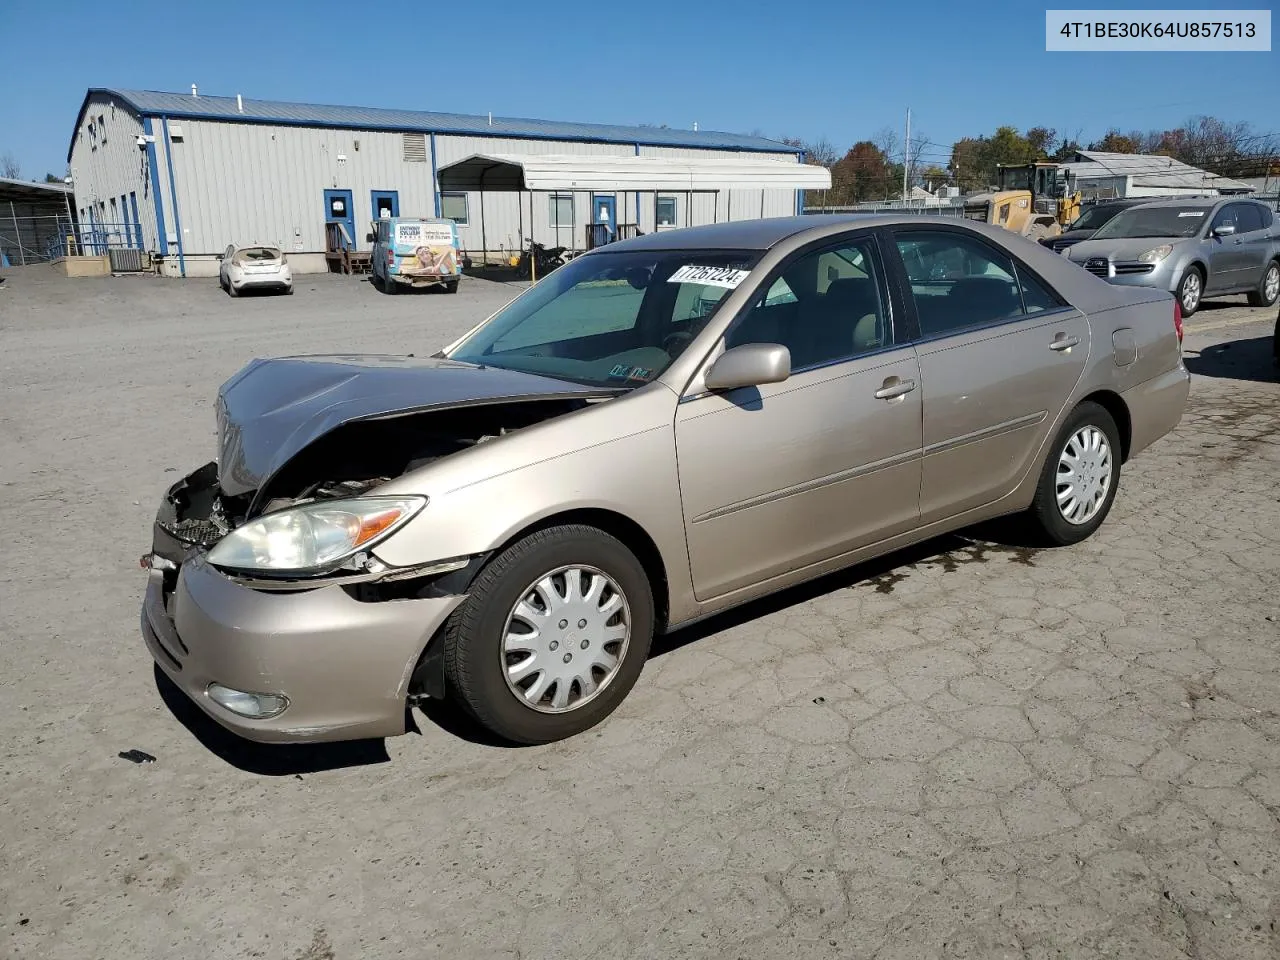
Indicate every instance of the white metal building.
{"type": "Point", "coordinates": [1101, 175]}
{"type": "Point", "coordinates": [183, 175]}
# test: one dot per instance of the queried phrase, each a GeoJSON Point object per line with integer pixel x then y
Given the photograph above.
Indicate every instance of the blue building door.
{"type": "Point", "coordinates": [337, 209]}
{"type": "Point", "coordinates": [604, 218]}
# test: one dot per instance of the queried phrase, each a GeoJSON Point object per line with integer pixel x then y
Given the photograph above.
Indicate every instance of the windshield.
{"type": "Point", "coordinates": [609, 319]}
{"type": "Point", "coordinates": [1154, 222]}
{"type": "Point", "coordinates": [1093, 218]}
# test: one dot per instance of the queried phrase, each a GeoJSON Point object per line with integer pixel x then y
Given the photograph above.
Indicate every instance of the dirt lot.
{"type": "Point", "coordinates": [970, 750]}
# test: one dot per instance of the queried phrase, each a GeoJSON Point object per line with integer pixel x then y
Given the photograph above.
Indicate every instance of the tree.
{"type": "Point", "coordinates": [52, 178]}
{"type": "Point", "coordinates": [1042, 140]}
{"type": "Point", "coordinates": [933, 176]}
{"type": "Point", "coordinates": [9, 167]}
{"type": "Point", "coordinates": [861, 174]}
{"type": "Point", "coordinates": [819, 153]}
{"type": "Point", "coordinates": [1116, 142]}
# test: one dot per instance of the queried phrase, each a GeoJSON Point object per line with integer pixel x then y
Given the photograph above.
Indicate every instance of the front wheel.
{"type": "Point", "coordinates": [1079, 480]}
{"type": "Point", "coordinates": [1190, 291]}
{"type": "Point", "coordinates": [552, 636]}
{"type": "Point", "coordinates": [1269, 289]}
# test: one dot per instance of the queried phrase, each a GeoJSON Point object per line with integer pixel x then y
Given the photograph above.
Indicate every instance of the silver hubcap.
{"type": "Point", "coordinates": [1191, 292]}
{"type": "Point", "coordinates": [565, 639]}
{"type": "Point", "coordinates": [1272, 287]}
{"type": "Point", "coordinates": [1084, 475]}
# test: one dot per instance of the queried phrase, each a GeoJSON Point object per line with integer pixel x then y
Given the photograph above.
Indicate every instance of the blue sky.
{"type": "Point", "coordinates": [808, 68]}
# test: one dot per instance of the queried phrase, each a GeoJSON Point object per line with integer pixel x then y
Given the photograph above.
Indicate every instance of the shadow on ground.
{"type": "Point", "coordinates": [1252, 359]}
{"type": "Point", "coordinates": [265, 759]}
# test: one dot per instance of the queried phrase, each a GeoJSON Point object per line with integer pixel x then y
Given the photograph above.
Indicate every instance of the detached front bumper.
{"type": "Point", "coordinates": [343, 663]}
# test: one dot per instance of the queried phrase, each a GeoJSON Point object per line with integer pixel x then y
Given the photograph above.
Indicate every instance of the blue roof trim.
{"type": "Point", "coordinates": [178, 105]}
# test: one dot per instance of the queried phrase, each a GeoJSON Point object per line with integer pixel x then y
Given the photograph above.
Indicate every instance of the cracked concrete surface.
{"type": "Point", "coordinates": [970, 750]}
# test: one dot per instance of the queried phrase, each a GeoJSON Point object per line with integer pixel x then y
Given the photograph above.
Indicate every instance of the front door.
{"type": "Point", "coordinates": [999, 355]}
{"type": "Point", "coordinates": [777, 478]}
{"type": "Point", "coordinates": [604, 217]}
{"type": "Point", "coordinates": [1236, 260]}
{"type": "Point", "coordinates": [338, 209]}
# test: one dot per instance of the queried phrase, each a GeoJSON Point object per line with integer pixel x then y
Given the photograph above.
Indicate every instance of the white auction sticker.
{"type": "Point", "coordinates": [727, 277]}
{"type": "Point", "coordinates": [1194, 31]}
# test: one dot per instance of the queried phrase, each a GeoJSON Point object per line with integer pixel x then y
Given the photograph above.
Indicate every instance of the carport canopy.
{"type": "Point", "coordinates": [511, 173]}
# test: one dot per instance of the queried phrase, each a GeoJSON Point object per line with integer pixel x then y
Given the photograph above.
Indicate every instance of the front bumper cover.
{"type": "Point", "coordinates": [344, 659]}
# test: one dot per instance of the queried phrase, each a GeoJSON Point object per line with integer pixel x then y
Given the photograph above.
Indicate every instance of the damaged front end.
{"type": "Point", "coordinates": [337, 472]}
{"type": "Point", "coordinates": [266, 602]}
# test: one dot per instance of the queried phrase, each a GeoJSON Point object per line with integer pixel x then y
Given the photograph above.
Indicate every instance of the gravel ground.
{"type": "Point", "coordinates": [968, 750]}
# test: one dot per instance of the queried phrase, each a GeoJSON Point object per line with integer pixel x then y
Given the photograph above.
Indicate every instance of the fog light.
{"type": "Point", "coordinates": [258, 706]}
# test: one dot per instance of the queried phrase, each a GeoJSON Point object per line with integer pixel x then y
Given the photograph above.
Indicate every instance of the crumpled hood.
{"type": "Point", "coordinates": [1119, 249]}
{"type": "Point", "coordinates": [272, 409]}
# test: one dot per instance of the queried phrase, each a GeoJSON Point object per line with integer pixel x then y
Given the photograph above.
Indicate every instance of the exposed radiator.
{"type": "Point", "coordinates": [126, 260]}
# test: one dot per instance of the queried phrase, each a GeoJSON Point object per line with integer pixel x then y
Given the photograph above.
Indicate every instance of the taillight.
{"type": "Point", "coordinates": [391, 258]}
{"type": "Point", "coordinates": [1177, 317]}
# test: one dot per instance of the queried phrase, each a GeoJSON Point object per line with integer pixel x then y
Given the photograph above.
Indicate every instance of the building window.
{"type": "Point", "coordinates": [453, 206]}
{"type": "Point", "coordinates": [102, 128]}
{"type": "Point", "coordinates": [666, 212]}
{"type": "Point", "coordinates": [561, 210]}
{"type": "Point", "coordinates": [415, 148]}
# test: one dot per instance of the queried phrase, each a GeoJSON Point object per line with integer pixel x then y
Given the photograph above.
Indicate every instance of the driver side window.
{"type": "Point", "coordinates": [827, 306]}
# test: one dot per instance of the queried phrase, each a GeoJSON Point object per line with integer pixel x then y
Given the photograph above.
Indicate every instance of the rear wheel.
{"type": "Point", "coordinates": [1190, 291]}
{"type": "Point", "coordinates": [451, 287]}
{"type": "Point", "coordinates": [1269, 289]}
{"type": "Point", "coordinates": [231, 289]}
{"type": "Point", "coordinates": [1079, 479]}
{"type": "Point", "coordinates": [552, 636]}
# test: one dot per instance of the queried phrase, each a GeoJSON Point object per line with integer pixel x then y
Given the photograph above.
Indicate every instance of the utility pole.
{"type": "Point", "coordinates": [906, 156]}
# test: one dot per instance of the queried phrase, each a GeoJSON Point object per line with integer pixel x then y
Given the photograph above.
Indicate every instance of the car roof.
{"type": "Point", "coordinates": [1186, 201]}
{"type": "Point", "coordinates": [741, 234]}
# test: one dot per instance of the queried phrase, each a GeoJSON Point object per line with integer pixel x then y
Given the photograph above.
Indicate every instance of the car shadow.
{"type": "Point", "coordinates": [1252, 359]}
{"type": "Point", "coordinates": [950, 551]}
{"type": "Point", "coordinates": [265, 759]}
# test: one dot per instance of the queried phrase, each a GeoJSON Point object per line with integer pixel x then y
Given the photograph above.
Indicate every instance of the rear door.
{"type": "Point", "coordinates": [1000, 353]}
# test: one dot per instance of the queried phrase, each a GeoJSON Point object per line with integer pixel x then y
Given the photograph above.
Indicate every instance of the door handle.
{"type": "Point", "coordinates": [893, 387]}
{"type": "Point", "coordinates": [1064, 343]}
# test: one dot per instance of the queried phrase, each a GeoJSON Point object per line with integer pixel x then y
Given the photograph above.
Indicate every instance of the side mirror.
{"type": "Point", "coordinates": [749, 365]}
{"type": "Point", "coordinates": [219, 256]}
{"type": "Point", "coordinates": [1224, 230]}
{"type": "Point", "coordinates": [369, 238]}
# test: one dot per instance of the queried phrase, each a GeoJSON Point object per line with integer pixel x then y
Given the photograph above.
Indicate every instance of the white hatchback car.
{"type": "Point", "coordinates": [254, 267]}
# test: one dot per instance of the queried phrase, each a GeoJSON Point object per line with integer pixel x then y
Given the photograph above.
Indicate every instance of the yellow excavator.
{"type": "Point", "coordinates": [1029, 200]}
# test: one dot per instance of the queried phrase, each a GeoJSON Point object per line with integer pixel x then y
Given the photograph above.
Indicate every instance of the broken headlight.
{"type": "Point", "coordinates": [312, 539]}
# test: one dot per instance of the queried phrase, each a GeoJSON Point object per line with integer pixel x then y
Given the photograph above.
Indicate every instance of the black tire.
{"type": "Point", "coordinates": [1044, 520]}
{"type": "Point", "coordinates": [288, 291]}
{"type": "Point", "coordinates": [390, 287]}
{"type": "Point", "coordinates": [1184, 292]}
{"type": "Point", "coordinates": [231, 290]}
{"type": "Point", "coordinates": [473, 658]}
{"type": "Point", "coordinates": [451, 287]}
{"type": "Point", "coordinates": [1270, 278]}
{"type": "Point", "coordinates": [1275, 343]}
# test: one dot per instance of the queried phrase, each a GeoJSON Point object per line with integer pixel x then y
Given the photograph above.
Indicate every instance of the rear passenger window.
{"type": "Point", "coordinates": [958, 283]}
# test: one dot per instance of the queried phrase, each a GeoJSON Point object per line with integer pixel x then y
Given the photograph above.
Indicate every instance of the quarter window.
{"type": "Point", "coordinates": [453, 206]}
{"type": "Point", "coordinates": [959, 283]}
{"type": "Point", "coordinates": [561, 210]}
{"type": "Point", "coordinates": [827, 306]}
